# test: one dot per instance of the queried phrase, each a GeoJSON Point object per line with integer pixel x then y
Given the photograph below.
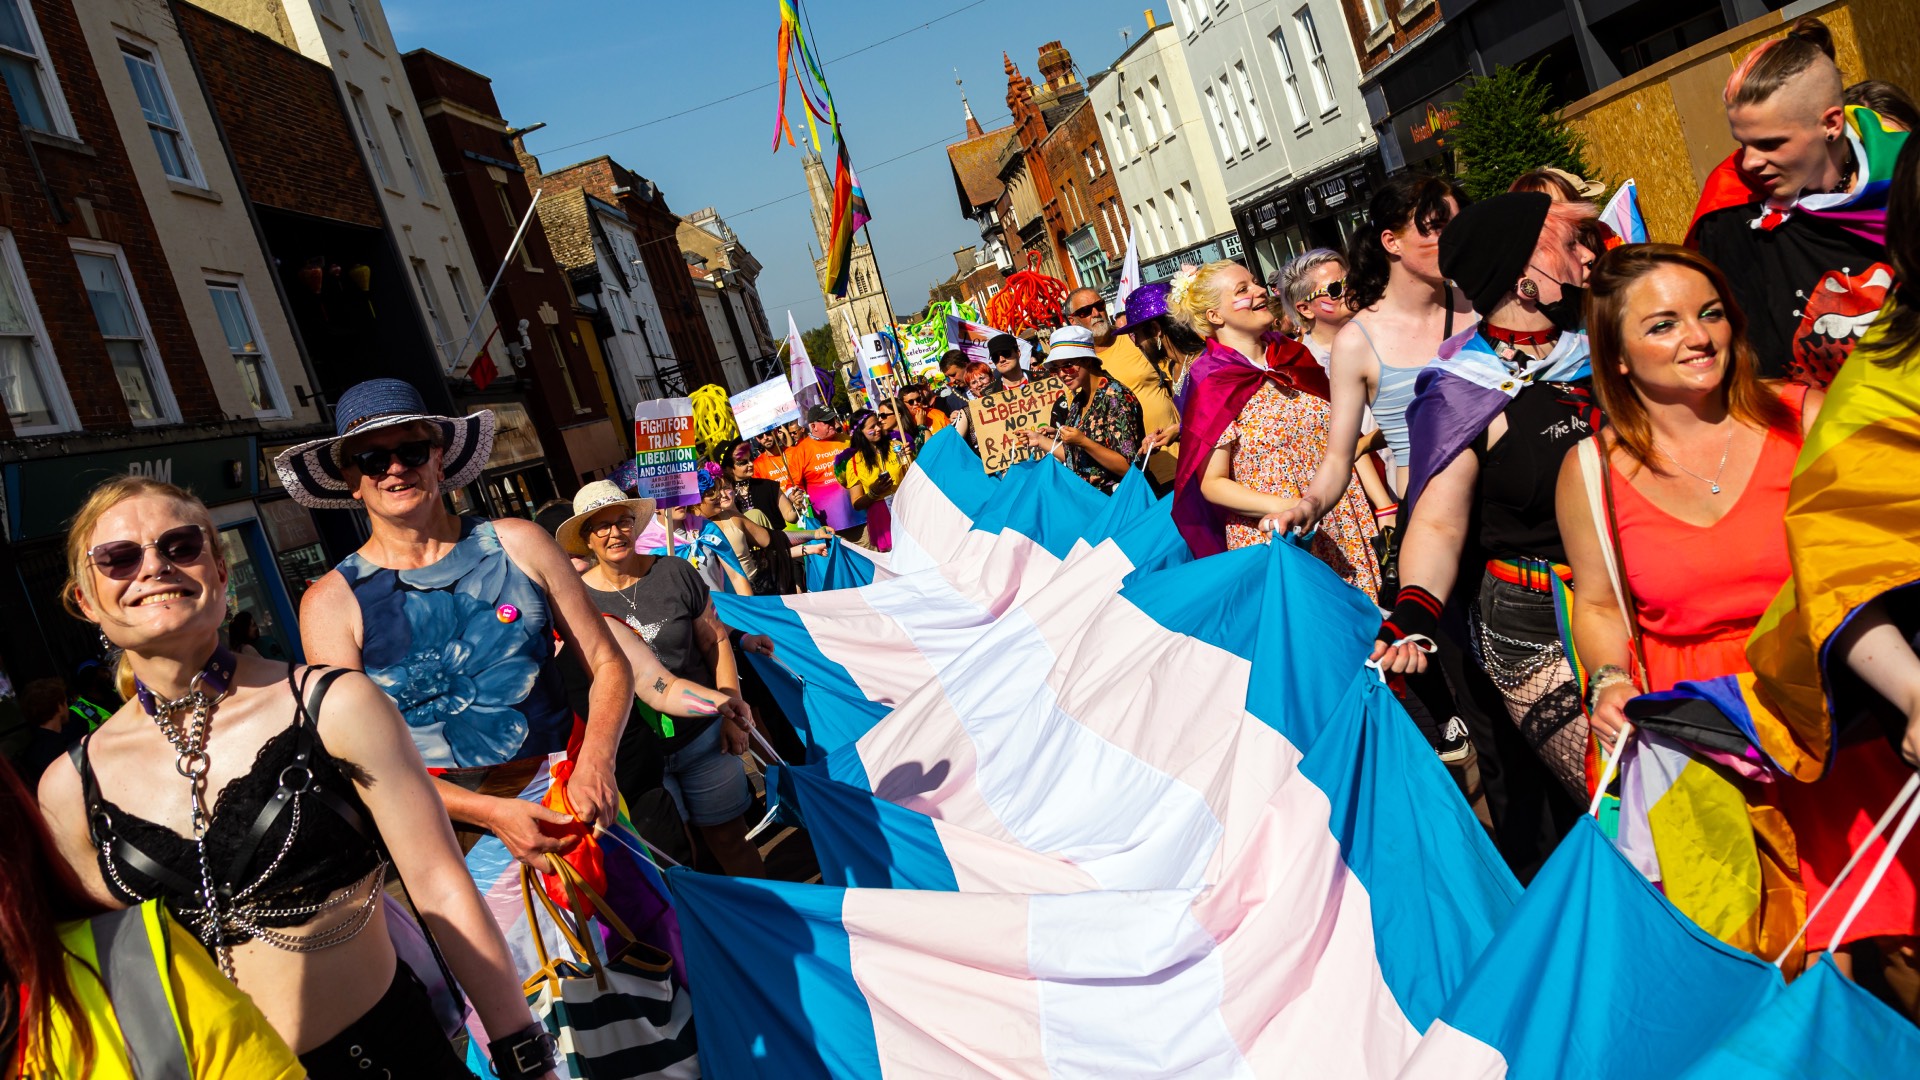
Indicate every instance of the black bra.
{"type": "Point", "coordinates": [256, 858]}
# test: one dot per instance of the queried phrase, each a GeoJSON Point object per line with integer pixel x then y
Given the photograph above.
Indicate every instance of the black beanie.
{"type": "Point", "coordinates": [1486, 247]}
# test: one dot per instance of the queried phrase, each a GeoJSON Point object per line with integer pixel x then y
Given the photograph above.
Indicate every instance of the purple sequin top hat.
{"type": "Point", "coordinates": [1144, 303]}
{"type": "Point", "coordinates": [314, 473]}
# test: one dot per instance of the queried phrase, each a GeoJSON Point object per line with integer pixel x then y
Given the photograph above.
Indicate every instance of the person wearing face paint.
{"type": "Point", "coordinates": [1492, 418]}
{"type": "Point", "coordinates": [1263, 426]}
{"type": "Point", "coordinates": [265, 804]}
{"type": "Point", "coordinates": [870, 469]}
{"type": "Point", "coordinates": [1095, 427]}
{"type": "Point", "coordinates": [1797, 214]}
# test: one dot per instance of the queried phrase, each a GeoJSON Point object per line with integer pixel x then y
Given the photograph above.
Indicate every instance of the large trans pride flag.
{"type": "Point", "coordinates": [1111, 812]}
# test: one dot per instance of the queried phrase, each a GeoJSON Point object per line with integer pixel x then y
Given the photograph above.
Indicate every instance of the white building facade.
{"type": "Point", "coordinates": [1171, 181]}
{"type": "Point", "coordinates": [1279, 86]}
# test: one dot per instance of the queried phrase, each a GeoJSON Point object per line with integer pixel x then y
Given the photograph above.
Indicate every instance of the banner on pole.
{"type": "Point", "coordinates": [800, 370]}
{"type": "Point", "coordinates": [1001, 421]}
{"type": "Point", "coordinates": [765, 407]}
{"type": "Point", "coordinates": [665, 457]}
{"type": "Point", "coordinates": [876, 356]}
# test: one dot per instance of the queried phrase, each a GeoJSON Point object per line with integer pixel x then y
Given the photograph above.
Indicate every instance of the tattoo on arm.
{"type": "Point", "coordinates": [659, 685]}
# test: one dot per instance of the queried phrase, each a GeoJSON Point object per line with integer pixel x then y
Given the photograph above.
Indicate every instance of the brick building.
{"type": "Point", "coordinates": [534, 302]}
{"type": "Point", "coordinates": [1070, 169]}
{"type": "Point", "coordinates": [656, 229]}
{"type": "Point", "coordinates": [142, 328]}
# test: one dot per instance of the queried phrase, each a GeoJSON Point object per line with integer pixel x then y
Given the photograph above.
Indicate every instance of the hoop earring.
{"type": "Point", "coordinates": [1529, 288]}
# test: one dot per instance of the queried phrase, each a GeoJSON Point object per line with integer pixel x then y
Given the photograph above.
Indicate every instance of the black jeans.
{"type": "Point", "coordinates": [398, 1037]}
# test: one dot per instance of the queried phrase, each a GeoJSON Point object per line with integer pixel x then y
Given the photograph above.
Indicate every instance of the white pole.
{"type": "Point", "coordinates": [473, 324]}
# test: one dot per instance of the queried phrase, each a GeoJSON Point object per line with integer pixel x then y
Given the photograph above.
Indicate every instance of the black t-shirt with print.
{"type": "Point", "coordinates": [662, 608]}
{"type": "Point", "coordinates": [1808, 288]}
{"type": "Point", "coordinates": [1520, 474]}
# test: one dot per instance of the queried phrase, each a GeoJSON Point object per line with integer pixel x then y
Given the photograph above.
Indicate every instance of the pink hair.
{"type": "Point", "coordinates": [1557, 233]}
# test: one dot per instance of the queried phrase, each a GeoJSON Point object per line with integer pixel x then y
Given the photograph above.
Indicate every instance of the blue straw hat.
{"type": "Point", "coordinates": [314, 473]}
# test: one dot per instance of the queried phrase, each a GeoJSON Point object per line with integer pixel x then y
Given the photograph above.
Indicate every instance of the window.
{"type": "Point", "coordinates": [1283, 59]}
{"type": "Point", "coordinates": [123, 326]}
{"type": "Point", "coordinates": [1146, 242]}
{"type": "Point", "coordinates": [513, 222]}
{"type": "Point", "coordinates": [407, 153]}
{"type": "Point", "coordinates": [1179, 223]}
{"type": "Point", "coordinates": [1146, 118]}
{"type": "Point", "coordinates": [1376, 13]}
{"type": "Point", "coordinates": [459, 283]}
{"type": "Point", "coordinates": [29, 381]}
{"type": "Point", "coordinates": [360, 21]}
{"type": "Point", "coordinates": [1219, 125]}
{"type": "Point", "coordinates": [566, 374]}
{"type": "Point", "coordinates": [1160, 105]}
{"type": "Point", "coordinates": [24, 68]}
{"type": "Point", "coordinates": [1126, 129]}
{"type": "Point", "coordinates": [1086, 162]}
{"type": "Point", "coordinates": [1113, 133]}
{"type": "Point", "coordinates": [1100, 156]}
{"type": "Point", "coordinates": [1254, 118]}
{"type": "Point", "coordinates": [1183, 16]}
{"type": "Point", "coordinates": [1236, 121]}
{"type": "Point", "coordinates": [1316, 58]}
{"type": "Point", "coordinates": [249, 354]}
{"type": "Point", "coordinates": [1193, 210]}
{"type": "Point", "coordinates": [375, 152]}
{"type": "Point", "coordinates": [1159, 228]}
{"type": "Point", "coordinates": [442, 335]}
{"type": "Point", "coordinates": [162, 116]}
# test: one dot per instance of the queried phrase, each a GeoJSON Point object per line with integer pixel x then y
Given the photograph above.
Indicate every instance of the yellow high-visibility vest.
{"type": "Point", "coordinates": [157, 1007]}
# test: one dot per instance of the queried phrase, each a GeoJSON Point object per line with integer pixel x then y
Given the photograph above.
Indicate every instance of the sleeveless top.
{"type": "Point", "coordinates": [281, 838]}
{"type": "Point", "coordinates": [1520, 473]}
{"type": "Point", "coordinates": [1391, 400]}
{"type": "Point", "coordinates": [465, 648]}
{"type": "Point", "coordinates": [1696, 606]}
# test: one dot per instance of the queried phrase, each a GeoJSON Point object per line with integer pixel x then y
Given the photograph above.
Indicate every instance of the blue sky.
{"type": "Point", "coordinates": [591, 67]}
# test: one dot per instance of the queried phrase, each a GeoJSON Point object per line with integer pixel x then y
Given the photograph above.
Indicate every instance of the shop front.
{"type": "Point", "coordinates": [1326, 209]}
{"type": "Point", "coordinates": [1226, 246]}
{"type": "Point", "coordinates": [42, 496]}
{"type": "Point", "coordinates": [516, 482]}
{"type": "Point", "coordinates": [1424, 132]}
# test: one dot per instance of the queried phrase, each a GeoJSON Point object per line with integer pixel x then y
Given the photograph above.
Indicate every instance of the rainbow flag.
{"type": "Point", "coordinates": [849, 214]}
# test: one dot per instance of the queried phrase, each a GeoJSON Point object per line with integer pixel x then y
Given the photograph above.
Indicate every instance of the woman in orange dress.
{"type": "Point", "coordinates": [1699, 456]}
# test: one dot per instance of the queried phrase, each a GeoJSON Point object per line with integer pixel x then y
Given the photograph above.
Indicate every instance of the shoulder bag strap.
{"type": "Point", "coordinates": [1599, 482]}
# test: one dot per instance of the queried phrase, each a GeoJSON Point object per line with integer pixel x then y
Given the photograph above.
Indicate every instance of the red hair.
{"type": "Point", "coordinates": [38, 891]}
{"type": "Point", "coordinates": [1750, 401]}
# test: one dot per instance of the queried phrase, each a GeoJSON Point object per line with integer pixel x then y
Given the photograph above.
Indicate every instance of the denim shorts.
{"type": "Point", "coordinates": [708, 784]}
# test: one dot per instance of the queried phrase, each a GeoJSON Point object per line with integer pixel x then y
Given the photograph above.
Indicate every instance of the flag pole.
{"type": "Point", "coordinates": [519, 233]}
{"type": "Point", "coordinates": [900, 352]}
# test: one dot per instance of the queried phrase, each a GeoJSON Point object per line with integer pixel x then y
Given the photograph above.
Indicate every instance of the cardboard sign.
{"type": "Point", "coordinates": [665, 453]}
{"type": "Point", "coordinates": [765, 407]}
{"type": "Point", "coordinates": [1000, 421]}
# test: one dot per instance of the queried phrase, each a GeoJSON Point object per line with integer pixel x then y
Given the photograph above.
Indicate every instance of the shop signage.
{"type": "Point", "coordinates": [514, 439]}
{"type": "Point", "coordinates": [43, 495]}
{"type": "Point", "coordinates": [289, 525]}
{"type": "Point", "coordinates": [1425, 130]}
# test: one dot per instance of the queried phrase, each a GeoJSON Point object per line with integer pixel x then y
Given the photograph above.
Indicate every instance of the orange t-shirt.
{"type": "Point", "coordinates": [773, 467]}
{"type": "Point", "coordinates": [810, 461]}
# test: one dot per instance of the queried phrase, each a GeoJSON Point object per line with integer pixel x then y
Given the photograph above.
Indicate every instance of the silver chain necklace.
{"type": "Point", "coordinates": [1713, 485]}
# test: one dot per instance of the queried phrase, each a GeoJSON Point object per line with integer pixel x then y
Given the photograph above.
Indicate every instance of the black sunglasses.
{"type": "Point", "coordinates": [120, 560]}
{"type": "Point", "coordinates": [411, 454]}
{"type": "Point", "coordinates": [1081, 313]}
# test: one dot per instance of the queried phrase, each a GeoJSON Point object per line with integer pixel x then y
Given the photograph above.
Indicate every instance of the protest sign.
{"type": "Point", "coordinates": [1001, 421]}
{"type": "Point", "coordinates": [764, 407]}
{"type": "Point", "coordinates": [876, 356]}
{"type": "Point", "coordinates": [664, 454]}
{"type": "Point", "coordinates": [971, 338]}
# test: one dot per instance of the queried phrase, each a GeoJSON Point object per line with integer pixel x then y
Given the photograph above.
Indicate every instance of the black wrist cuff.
{"type": "Point", "coordinates": [524, 1055]}
{"type": "Point", "coordinates": [1416, 614]}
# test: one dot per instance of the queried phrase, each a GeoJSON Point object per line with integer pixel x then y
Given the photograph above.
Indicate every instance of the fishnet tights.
{"type": "Point", "coordinates": [1546, 709]}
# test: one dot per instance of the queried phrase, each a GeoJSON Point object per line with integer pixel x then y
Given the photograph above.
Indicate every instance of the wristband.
{"type": "Point", "coordinates": [1417, 614]}
{"type": "Point", "coordinates": [1386, 511]}
{"type": "Point", "coordinates": [1608, 675]}
{"type": "Point", "coordinates": [525, 1054]}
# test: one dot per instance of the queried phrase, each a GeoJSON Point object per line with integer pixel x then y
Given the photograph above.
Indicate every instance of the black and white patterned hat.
{"type": "Point", "coordinates": [315, 473]}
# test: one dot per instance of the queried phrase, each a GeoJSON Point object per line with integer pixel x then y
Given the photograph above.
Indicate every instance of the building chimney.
{"type": "Point", "coordinates": [1056, 65]}
{"type": "Point", "coordinates": [1151, 22]}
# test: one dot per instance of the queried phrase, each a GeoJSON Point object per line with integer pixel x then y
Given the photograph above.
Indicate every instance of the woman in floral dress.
{"type": "Point", "coordinates": [1096, 427]}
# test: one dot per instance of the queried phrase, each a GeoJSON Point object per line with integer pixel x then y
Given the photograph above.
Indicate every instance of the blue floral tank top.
{"type": "Point", "coordinates": [465, 648]}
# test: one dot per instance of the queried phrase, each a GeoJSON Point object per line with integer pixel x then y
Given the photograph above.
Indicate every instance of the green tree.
{"type": "Point", "coordinates": [823, 346]}
{"type": "Point", "coordinates": [1508, 126]}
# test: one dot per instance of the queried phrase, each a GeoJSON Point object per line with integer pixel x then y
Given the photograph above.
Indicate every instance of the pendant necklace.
{"type": "Point", "coordinates": [1713, 485]}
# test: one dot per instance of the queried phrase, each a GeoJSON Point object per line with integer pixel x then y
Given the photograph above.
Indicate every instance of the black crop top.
{"type": "Point", "coordinates": [279, 881]}
{"type": "Point", "coordinates": [1520, 473]}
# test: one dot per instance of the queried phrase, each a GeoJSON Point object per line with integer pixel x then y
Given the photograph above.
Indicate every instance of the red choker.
{"type": "Point", "coordinates": [1501, 335]}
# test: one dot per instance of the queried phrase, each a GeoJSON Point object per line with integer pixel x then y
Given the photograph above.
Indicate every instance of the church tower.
{"type": "Point", "coordinates": [865, 304]}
